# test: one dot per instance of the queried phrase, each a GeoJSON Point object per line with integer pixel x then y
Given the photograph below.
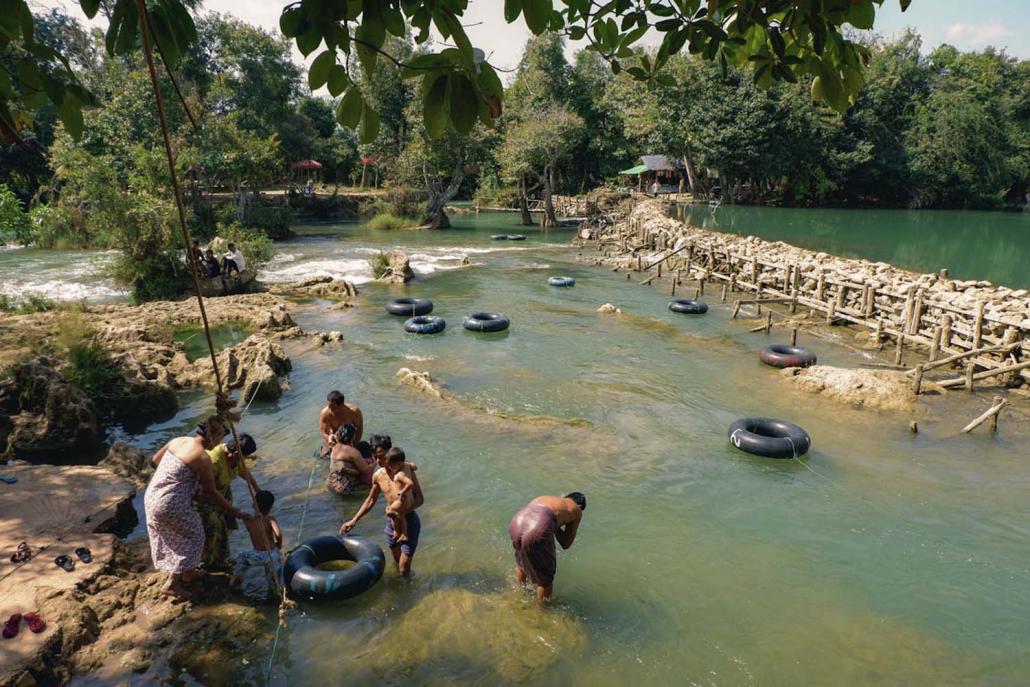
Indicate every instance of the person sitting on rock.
{"type": "Point", "coordinates": [209, 266]}
{"type": "Point", "coordinates": [254, 569]}
{"type": "Point", "coordinates": [232, 260]}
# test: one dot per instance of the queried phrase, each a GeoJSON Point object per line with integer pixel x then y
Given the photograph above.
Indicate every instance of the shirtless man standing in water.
{"type": "Point", "coordinates": [533, 531]}
{"type": "Point", "coordinates": [335, 414]}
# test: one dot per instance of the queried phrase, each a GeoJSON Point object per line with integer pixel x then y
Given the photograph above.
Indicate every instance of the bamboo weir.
{"type": "Point", "coordinates": [942, 323]}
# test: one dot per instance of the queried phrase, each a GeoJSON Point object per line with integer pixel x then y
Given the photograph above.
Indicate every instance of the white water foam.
{"type": "Point", "coordinates": [354, 270]}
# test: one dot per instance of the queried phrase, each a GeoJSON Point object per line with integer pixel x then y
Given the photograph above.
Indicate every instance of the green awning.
{"type": "Point", "coordinates": [639, 169]}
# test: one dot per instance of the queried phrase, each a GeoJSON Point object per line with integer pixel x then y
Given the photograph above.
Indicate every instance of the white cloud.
{"type": "Point", "coordinates": [976, 35]}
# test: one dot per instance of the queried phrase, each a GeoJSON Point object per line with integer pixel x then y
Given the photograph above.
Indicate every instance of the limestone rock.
{"type": "Point", "coordinates": [254, 366]}
{"type": "Point", "coordinates": [608, 309]}
{"type": "Point", "coordinates": [53, 416]}
{"type": "Point", "coordinates": [398, 271]}
{"type": "Point", "coordinates": [325, 338]}
{"type": "Point", "coordinates": [419, 380]}
{"type": "Point", "coordinates": [883, 389]}
{"type": "Point", "coordinates": [337, 289]}
{"type": "Point", "coordinates": [130, 463]}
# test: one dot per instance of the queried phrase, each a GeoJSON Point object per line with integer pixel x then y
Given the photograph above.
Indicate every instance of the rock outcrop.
{"type": "Point", "coordinates": [398, 271]}
{"type": "Point", "coordinates": [130, 463]}
{"type": "Point", "coordinates": [45, 415]}
{"type": "Point", "coordinates": [320, 287]}
{"type": "Point", "coordinates": [883, 389]}
{"type": "Point", "coordinates": [254, 366]}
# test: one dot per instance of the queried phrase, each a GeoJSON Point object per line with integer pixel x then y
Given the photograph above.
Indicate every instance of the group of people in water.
{"type": "Point", "coordinates": [189, 507]}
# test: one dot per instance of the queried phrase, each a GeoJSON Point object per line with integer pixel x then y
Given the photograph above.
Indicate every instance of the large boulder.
{"type": "Point", "coordinates": [884, 389]}
{"type": "Point", "coordinates": [53, 416]}
{"type": "Point", "coordinates": [254, 366]}
{"type": "Point", "coordinates": [129, 462]}
{"type": "Point", "coordinates": [398, 271]}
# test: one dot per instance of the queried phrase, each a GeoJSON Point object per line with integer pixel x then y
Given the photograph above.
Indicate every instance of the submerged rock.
{"type": "Point", "coordinates": [505, 633]}
{"type": "Point", "coordinates": [609, 309]}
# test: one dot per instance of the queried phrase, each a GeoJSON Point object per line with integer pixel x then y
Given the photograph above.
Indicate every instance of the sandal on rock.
{"type": "Point", "coordinates": [63, 561]}
{"type": "Point", "coordinates": [84, 555]}
{"type": "Point", "coordinates": [7, 479]}
{"type": "Point", "coordinates": [22, 553]}
{"type": "Point", "coordinates": [35, 623]}
{"type": "Point", "coordinates": [11, 626]}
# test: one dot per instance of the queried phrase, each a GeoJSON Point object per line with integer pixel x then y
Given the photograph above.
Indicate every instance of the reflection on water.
{"type": "Point", "coordinates": [881, 557]}
{"type": "Point", "coordinates": [973, 245]}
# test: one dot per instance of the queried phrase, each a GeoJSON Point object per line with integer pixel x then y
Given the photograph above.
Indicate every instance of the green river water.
{"type": "Point", "coordinates": [973, 245]}
{"type": "Point", "coordinates": [881, 557]}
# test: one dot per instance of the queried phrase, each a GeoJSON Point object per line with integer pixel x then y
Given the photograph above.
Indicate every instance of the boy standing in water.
{"type": "Point", "coordinates": [400, 499]}
{"type": "Point", "coordinates": [253, 567]}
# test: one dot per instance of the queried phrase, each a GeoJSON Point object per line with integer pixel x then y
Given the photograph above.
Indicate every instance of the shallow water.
{"type": "Point", "coordinates": [880, 558]}
{"type": "Point", "coordinates": [973, 245]}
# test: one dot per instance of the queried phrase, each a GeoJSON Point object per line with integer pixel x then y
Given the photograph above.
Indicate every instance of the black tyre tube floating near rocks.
{"type": "Point", "coordinates": [409, 307]}
{"type": "Point", "coordinates": [687, 306]}
{"type": "Point", "coordinates": [499, 237]}
{"type": "Point", "coordinates": [425, 324]}
{"type": "Point", "coordinates": [516, 237]}
{"type": "Point", "coordinates": [768, 437]}
{"type": "Point", "coordinates": [304, 580]}
{"type": "Point", "coordinates": [561, 281]}
{"type": "Point", "coordinates": [785, 355]}
{"type": "Point", "coordinates": [486, 322]}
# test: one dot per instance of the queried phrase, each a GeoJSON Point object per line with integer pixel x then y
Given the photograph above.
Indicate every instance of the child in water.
{"type": "Point", "coordinates": [400, 498]}
{"type": "Point", "coordinates": [253, 567]}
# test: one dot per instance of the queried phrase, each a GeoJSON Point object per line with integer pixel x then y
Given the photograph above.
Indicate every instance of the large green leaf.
{"type": "Point", "coordinates": [309, 41]}
{"type": "Point", "coordinates": [538, 14]}
{"type": "Point", "coordinates": [348, 112]}
{"type": "Point", "coordinates": [337, 81]}
{"type": "Point", "coordinates": [435, 104]}
{"type": "Point", "coordinates": [89, 7]}
{"type": "Point", "coordinates": [512, 10]}
{"type": "Point", "coordinates": [862, 14]}
{"type": "Point", "coordinates": [290, 21]}
{"type": "Point", "coordinates": [318, 72]}
{"type": "Point", "coordinates": [464, 104]}
{"type": "Point", "coordinates": [369, 125]}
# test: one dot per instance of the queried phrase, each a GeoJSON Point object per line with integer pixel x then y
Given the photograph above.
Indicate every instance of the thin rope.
{"type": "Point", "coordinates": [223, 405]}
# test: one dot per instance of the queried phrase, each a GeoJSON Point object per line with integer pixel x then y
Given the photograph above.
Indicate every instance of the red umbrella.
{"type": "Point", "coordinates": [306, 164]}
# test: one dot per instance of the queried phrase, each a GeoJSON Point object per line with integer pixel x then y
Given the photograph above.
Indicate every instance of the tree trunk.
{"type": "Point", "coordinates": [527, 219]}
{"type": "Point", "coordinates": [550, 219]}
{"type": "Point", "coordinates": [435, 217]}
{"type": "Point", "coordinates": [688, 162]}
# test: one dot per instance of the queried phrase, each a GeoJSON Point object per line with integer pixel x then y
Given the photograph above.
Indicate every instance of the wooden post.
{"type": "Point", "coordinates": [879, 333]}
{"type": "Point", "coordinates": [870, 306]}
{"type": "Point", "coordinates": [935, 344]}
{"type": "Point", "coordinates": [946, 332]}
{"type": "Point", "coordinates": [640, 263]}
{"type": "Point", "coordinates": [998, 403]}
{"type": "Point", "coordinates": [768, 321]}
{"type": "Point", "coordinates": [830, 311]}
{"type": "Point", "coordinates": [978, 326]}
{"type": "Point", "coordinates": [733, 282]}
{"type": "Point", "coordinates": [673, 292]}
{"type": "Point", "coordinates": [906, 313]}
{"type": "Point", "coordinates": [865, 297]}
{"type": "Point", "coordinates": [793, 336]}
{"type": "Point", "coordinates": [723, 296]}
{"type": "Point", "coordinates": [754, 270]}
{"type": "Point", "coordinates": [991, 414]}
{"type": "Point", "coordinates": [917, 313]}
{"type": "Point", "coordinates": [820, 286]}
{"type": "Point", "coordinates": [697, 294]}
{"type": "Point", "coordinates": [701, 287]}
{"type": "Point", "coordinates": [943, 274]}
{"type": "Point", "coordinates": [794, 301]}
{"type": "Point", "coordinates": [970, 367]}
{"type": "Point", "coordinates": [840, 297]}
{"type": "Point", "coordinates": [736, 309]}
{"type": "Point", "coordinates": [899, 348]}
{"type": "Point", "coordinates": [918, 383]}
{"type": "Point", "coordinates": [659, 270]}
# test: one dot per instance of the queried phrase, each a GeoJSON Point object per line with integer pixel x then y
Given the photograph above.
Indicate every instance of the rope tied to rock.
{"type": "Point", "coordinates": [224, 405]}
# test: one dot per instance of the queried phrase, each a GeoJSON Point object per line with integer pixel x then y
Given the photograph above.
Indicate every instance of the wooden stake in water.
{"type": "Point", "coordinates": [970, 367]}
{"type": "Point", "coordinates": [898, 350]}
{"type": "Point", "coordinates": [723, 296]}
{"type": "Point", "coordinates": [935, 343]}
{"type": "Point", "coordinates": [793, 336]}
{"type": "Point", "coordinates": [917, 384]}
{"type": "Point", "coordinates": [736, 309]}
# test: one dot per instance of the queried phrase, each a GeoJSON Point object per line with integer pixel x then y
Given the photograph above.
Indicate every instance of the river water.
{"type": "Point", "coordinates": [881, 557]}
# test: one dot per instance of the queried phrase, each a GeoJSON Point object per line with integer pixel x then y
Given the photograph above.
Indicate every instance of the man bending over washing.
{"type": "Point", "coordinates": [533, 531]}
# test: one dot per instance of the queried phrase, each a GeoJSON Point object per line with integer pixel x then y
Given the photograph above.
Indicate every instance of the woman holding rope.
{"type": "Point", "coordinates": [173, 524]}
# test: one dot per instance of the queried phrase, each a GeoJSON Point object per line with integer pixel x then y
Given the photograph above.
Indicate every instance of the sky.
{"type": "Point", "coordinates": [1000, 23]}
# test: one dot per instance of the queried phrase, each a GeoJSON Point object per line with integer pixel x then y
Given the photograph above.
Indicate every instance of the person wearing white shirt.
{"type": "Point", "coordinates": [233, 259]}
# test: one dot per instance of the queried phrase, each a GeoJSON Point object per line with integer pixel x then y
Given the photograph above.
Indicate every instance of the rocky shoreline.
{"type": "Point", "coordinates": [930, 317]}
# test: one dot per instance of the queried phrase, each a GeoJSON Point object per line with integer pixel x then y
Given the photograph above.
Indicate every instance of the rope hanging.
{"type": "Point", "coordinates": [223, 404]}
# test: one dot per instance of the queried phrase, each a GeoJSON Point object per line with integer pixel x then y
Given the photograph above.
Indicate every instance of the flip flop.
{"type": "Point", "coordinates": [8, 479]}
{"type": "Point", "coordinates": [63, 561]}
{"type": "Point", "coordinates": [11, 626]}
{"type": "Point", "coordinates": [22, 553]}
{"type": "Point", "coordinates": [35, 623]}
{"type": "Point", "coordinates": [84, 555]}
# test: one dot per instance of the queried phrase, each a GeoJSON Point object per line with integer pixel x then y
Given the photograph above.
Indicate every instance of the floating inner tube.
{"type": "Point", "coordinates": [486, 322]}
{"type": "Point", "coordinates": [764, 436]}
{"type": "Point", "coordinates": [516, 237]}
{"type": "Point", "coordinates": [688, 306]}
{"type": "Point", "coordinates": [561, 281]}
{"type": "Point", "coordinates": [782, 355]}
{"type": "Point", "coordinates": [499, 237]}
{"type": "Point", "coordinates": [304, 580]}
{"type": "Point", "coordinates": [409, 307]}
{"type": "Point", "coordinates": [425, 324]}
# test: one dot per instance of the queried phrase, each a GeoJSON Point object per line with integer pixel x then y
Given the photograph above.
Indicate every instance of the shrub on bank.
{"type": "Point", "coordinates": [14, 222]}
{"type": "Point", "coordinates": [379, 263]}
{"type": "Point", "coordinates": [388, 221]}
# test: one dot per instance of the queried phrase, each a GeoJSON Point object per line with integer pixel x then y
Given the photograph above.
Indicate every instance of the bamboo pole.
{"type": "Point", "coordinates": [899, 348]}
{"type": "Point", "coordinates": [917, 385]}
{"type": "Point", "coordinates": [986, 374]}
{"type": "Point", "coordinates": [979, 324]}
{"type": "Point", "coordinates": [936, 343]}
{"type": "Point", "coordinates": [991, 414]}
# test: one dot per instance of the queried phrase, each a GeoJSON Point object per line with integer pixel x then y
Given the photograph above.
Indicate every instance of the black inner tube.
{"type": "Point", "coordinates": [303, 578]}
